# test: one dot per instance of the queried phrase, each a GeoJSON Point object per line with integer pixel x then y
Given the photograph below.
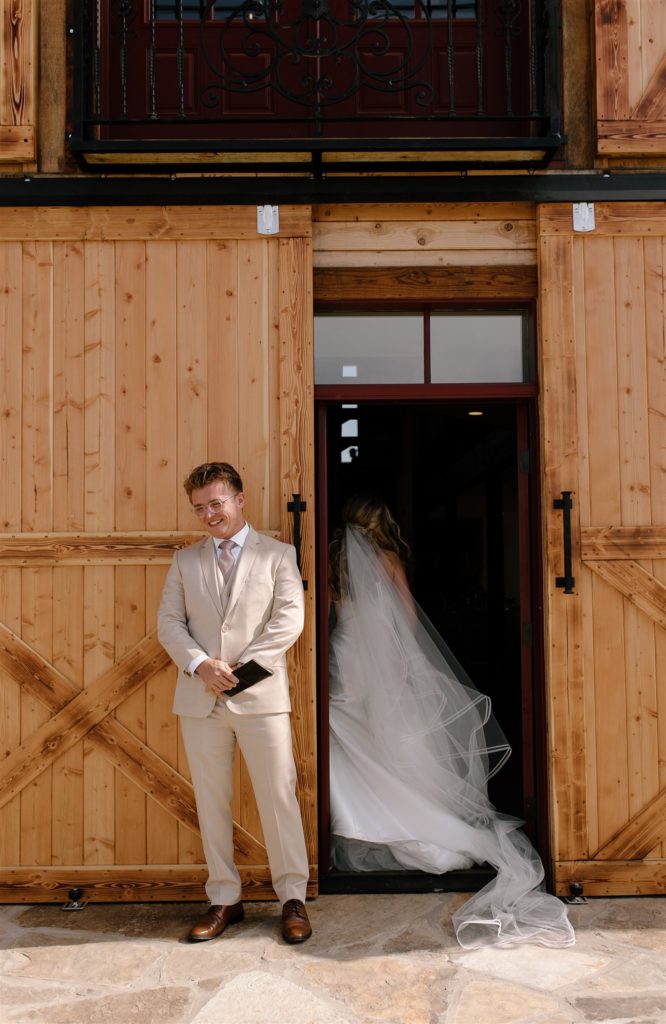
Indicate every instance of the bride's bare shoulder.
{"type": "Point", "coordinates": [391, 563]}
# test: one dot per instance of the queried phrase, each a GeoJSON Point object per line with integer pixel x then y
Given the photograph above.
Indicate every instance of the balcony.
{"type": "Point", "coordinates": [315, 87]}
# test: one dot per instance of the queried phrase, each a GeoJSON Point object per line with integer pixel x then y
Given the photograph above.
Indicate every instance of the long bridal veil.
{"type": "Point", "coordinates": [413, 744]}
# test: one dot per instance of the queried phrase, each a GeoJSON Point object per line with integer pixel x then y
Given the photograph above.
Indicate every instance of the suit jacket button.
{"type": "Point", "coordinates": [225, 628]}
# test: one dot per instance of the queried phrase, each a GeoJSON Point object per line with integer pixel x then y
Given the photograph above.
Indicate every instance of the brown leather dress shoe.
{"type": "Point", "coordinates": [215, 921]}
{"type": "Point", "coordinates": [295, 924]}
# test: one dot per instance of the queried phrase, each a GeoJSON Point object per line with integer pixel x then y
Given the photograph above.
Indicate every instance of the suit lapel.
{"type": "Point", "coordinates": [243, 566]}
{"type": "Point", "coordinates": [209, 571]}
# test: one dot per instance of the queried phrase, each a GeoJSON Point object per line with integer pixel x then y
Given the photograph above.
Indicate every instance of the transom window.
{"type": "Point", "coordinates": [479, 347]}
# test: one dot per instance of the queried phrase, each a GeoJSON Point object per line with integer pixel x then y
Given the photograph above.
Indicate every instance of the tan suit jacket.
{"type": "Point", "coordinates": [259, 617]}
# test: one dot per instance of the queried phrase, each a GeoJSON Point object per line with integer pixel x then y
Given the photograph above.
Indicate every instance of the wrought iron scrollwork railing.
{"type": "Point", "coordinates": [308, 69]}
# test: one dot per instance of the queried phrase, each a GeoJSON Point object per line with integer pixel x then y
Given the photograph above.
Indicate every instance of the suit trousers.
{"type": "Point", "coordinates": [266, 744]}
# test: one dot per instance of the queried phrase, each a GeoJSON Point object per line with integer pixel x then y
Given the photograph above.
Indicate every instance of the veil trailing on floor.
{"type": "Point", "coordinates": [413, 745]}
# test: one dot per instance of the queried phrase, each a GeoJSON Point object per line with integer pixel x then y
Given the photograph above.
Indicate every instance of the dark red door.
{"type": "Point", "coordinates": [298, 69]}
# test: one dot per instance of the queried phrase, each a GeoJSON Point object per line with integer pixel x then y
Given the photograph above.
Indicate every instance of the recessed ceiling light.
{"type": "Point", "coordinates": [475, 412]}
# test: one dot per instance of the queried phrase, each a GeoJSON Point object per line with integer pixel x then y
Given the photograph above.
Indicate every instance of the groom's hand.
{"type": "Point", "coordinates": [216, 675]}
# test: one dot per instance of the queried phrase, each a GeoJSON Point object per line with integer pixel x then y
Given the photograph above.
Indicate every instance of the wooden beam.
{"type": "Point", "coordinates": [611, 219]}
{"type": "Point", "coordinates": [17, 143]}
{"type": "Point", "coordinates": [560, 437]}
{"type": "Point", "coordinates": [162, 782]}
{"type": "Point", "coordinates": [500, 258]}
{"type": "Point", "coordinates": [112, 884]}
{"type": "Point", "coordinates": [652, 104]}
{"type": "Point", "coordinates": [618, 542]}
{"type": "Point", "coordinates": [33, 673]}
{"type": "Point", "coordinates": [81, 714]}
{"type": "Point", "coordinates": [345, 283]}
{"type": "Point", "coordinates": [129, 883]}
{"type": "Point", "coordinates": [296, 384]}
{"type": "Point", "coordinates": [430, 212]}
{"type": "Point", "coordinates": [640, 138]}
{"type": "Point", "coordinates": [135, 759]}
{"type": "Point", "coordinates": [638, 585]}
{"type": "Point", "coordinates": [17, 81]}
{"type": "Point", "coordinates": [639, 837]}
{"type": "Point", "coordinates": [612, 58]}
{"type": "Point", "coordinates": [154, 548]}
{"type": "Point", "coordinates": [578, 83]}
{"type": "Point", "coordinates": [52, 92]}
{"type": "Point", "coordinates": [612, 878]}
{"type": "Point", "coordinates": [118, 223]}
{"type": "Point", "coordinates": [30, 549]}
{"type": "Point", "coordinates": [427, 235]}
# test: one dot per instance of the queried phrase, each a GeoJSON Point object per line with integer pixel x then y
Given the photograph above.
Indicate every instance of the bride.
{"type": "Point", "coordinates": [413, 745]}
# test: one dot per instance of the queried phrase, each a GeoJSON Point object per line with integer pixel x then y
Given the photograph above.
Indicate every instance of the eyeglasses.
{"type": "Point", "coordinates": [214, 507]}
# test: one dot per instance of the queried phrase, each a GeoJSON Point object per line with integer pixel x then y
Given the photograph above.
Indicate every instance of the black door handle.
{"type": "Point", "coordinates": [566, 504]}
{"type": "Point", "coordinates": [297, 506]}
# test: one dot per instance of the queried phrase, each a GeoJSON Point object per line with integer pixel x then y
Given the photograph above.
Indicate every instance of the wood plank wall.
{"type": "Point", "coordinates": [134, 344]}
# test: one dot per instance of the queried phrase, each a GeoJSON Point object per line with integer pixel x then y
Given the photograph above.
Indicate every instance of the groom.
{"type": "Point", "coordinates": [236, 597]}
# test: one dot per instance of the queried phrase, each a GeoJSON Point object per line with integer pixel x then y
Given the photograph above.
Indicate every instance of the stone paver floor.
{"type": "Point", "coordinates": [381, 959]}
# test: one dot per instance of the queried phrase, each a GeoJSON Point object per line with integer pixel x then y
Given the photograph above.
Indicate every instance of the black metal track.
{"type": "Point", "coordinates": [337, 882]}
{"type": "Point", "coordinates": [551, 187]}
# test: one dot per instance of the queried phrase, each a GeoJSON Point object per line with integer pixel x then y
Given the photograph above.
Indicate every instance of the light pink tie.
{"type": "Point", "coordinates": [225, 559]}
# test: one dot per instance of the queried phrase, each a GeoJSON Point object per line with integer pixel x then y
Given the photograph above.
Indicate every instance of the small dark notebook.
{"type": "Point", "coordinates": [247, 675]}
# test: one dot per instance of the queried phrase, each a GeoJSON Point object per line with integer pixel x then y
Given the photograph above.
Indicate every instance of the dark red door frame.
{"type": "Point", "coordinates": [532, 708]}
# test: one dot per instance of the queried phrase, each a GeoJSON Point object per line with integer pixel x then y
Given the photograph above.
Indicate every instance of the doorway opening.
{"type": "Point", "coordinates": [455, 474]}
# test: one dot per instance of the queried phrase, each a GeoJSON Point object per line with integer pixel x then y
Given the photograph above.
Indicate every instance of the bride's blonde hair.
{"type": "Point", "coordinates": [372, 516]}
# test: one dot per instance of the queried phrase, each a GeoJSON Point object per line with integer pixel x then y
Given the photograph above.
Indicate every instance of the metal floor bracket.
{"type": "Point", "coordinates": [75, 902]}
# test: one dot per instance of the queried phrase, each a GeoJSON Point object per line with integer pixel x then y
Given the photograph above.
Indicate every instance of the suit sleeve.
{"type": "Point", "coordinates": [285, 624]}
{"type": "Point", "coordinates": [172, 629]}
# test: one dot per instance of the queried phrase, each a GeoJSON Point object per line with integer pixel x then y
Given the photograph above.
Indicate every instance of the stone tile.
{"type": "Point", "coordinates": [25, 995]}
{"type": "Point", "coordinates": [622, 911]}
{"type": "Point", "coordinates": [637, 922]}
{"type": "Point", "coordinates": [494, 1002]}
{"type": "Point", "coordinates": [535, 966]}
{"type": "Point", "coordinates": [155, 1005]}
{"type": "Point", "coordinates": [30, 939]}
{"type": "Point", "coordinates": [599, 932]}
{"type": "Point", "coordinates": [615, 1008]}
{"type": "Point", "coordinates": [380, 959]}
{"type": "Point", "coordinates": [384, 988]}
{"type": "Point", "coordinates": [638, 974]}
{"type": "Point", "coordinates": [414, 921]}
{"type": "Point", "coordinates": [9, 914]}
{"type": "Point", "coordinates": [145, 920]}
{"type": "Point", "coordinates": [556, 1017]}
{"type": "Point", "coordinates": [195, 963]}
{"type": "Point", "coordinates": [259, 998]}
{"type": "Point", "coordinates": [113, 964]}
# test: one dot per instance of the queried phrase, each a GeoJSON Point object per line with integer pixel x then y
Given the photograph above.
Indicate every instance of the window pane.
{"type": "Point", "coordinates": [369, 349]}
{"type": "Point", "coordinates": [461, 9]}
{"type": "Point", "coordinates": [185, 9]}
{"type": "Point", "coordinates": [478, 348]}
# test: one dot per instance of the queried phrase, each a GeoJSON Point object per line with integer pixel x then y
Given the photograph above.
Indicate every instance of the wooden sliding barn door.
{"type": "Point", "coordinates": [603, 377]}
{"type": "Point", "coordinates": [134, 345]}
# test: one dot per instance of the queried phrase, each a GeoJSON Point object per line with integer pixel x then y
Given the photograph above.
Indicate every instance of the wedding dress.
{"type": "Point", "coordinates": [412, 746]}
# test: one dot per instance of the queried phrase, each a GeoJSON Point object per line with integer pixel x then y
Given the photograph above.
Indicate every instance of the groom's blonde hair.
{"type": "Point", "coordinates": [208, 473]}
